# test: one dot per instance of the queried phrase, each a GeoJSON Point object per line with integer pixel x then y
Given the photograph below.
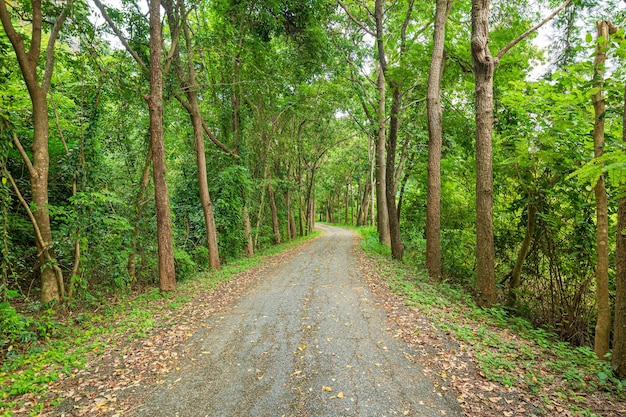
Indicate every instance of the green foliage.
{"type": "Point", "coordinates": [185, 265]}
{"type": "Point", "coordinates": [370, 242]}
{"type": "Point", "coordinates": [234, 187]}
{"type": "Point", "coordinates": [20, 333]}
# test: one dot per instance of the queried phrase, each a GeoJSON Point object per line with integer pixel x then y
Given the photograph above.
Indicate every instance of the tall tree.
{"type": "Point", "coordinates": [378, 113]}
{"type": "Point", "coordinates": [38, 85]}
{"type": "Point", "coordinates": [618, 356]}
{"type": "Point", "coordinates": [603, 324]}
{"type": "Point", "coordinates": [484, 65]}
{"type": "Point", "coordinates": [167, 277]}
{"type": "Point", "coordinates": [187, 80]}
{"type": "Point", "coordinates": [396, 86]}
{"type": "Point", "coordinates": [435, 138]}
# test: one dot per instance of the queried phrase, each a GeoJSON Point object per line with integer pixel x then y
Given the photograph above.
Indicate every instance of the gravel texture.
{"type": "Point", "coordinates": [307, 339]}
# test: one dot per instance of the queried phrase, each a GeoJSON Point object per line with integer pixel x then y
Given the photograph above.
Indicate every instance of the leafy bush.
{"type": "Point", "coordinates": [185, 265]}
{"type": "Point", "coordinates": [18, 333]}
{"type": "Point", "coordinates": [370, 242]}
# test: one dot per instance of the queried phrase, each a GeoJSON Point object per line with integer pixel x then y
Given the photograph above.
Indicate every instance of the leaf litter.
{"type": "Point", "coordinates": [104, 386]}
{"type": "Point", "coordinates": [454, 365]}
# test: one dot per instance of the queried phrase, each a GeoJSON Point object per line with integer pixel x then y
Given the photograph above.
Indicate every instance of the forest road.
{"type": "Point", "coordinates": [306, 340]}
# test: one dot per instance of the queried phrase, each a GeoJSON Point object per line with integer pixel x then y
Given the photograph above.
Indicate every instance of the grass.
{"type": "Point", "coordinates": [508, 350]}
{"type": "Point", "coordinates": [76, 338]}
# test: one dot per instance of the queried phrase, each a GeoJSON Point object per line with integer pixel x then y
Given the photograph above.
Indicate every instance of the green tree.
{"type": "Point", "coordinates": [38, 84]}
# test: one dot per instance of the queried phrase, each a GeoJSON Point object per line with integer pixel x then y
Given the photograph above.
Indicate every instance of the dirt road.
{"type": "Point", "coordinates": [306, 340]}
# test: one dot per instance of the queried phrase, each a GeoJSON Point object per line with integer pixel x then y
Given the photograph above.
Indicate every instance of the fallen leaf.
{"type": "Point", "coordinates": [327, 389]}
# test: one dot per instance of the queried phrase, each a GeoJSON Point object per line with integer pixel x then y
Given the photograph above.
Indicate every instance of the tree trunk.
{"type": "Point", "coordinates": [259, 218]}
{"type": "Point", "coordinates": [435, 135]}
{"type": "Point", "coordinates": [364, 207]}
{"type": "Point", "coordinates": [167, 278]}
{"type": "Point", "coordinates": [484, 65]}
{"type": "Point", "coordinates": [603, 325]}
{"type": "Point", "coordinates": [52, 286]}
{"type": "Point", "coordinates": [384, 236]}
{"type": "Point", "coordinates": [310, 209]}
{"type": "Point", "coordinates": [516, 274]}
{"type": "Point", "coordinates": [275, 223]}
{"type": "Point", "coordinates": [397, 248]}
{"type": "Point", "coordinates": [203, 186]}
{"type": "Point", "coordinates": [301, 220]}
{"type": "Point", "coordinates": [619, 330]}
{"type": "Point", "coordinates": [403, 183]}
{"type": "Point", "coordinates": [188, 84]}
{"type": "Point", "coordinates": [247, 231]}
{"type": "Point", "coordinates": [198, 134]}
{"type": "Point", "coordinates": [237, 138]}
{"type": "Point", "coordinates": [291, 224]}
{"type": "Point", "coordinates": [347, 203]}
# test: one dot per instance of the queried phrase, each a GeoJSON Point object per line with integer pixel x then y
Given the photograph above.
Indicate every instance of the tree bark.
{"type": "Point", "coordinates": [50, 288]}
{"type": "Point", "coordinates": [275, 223]}
{"type": "Point", "coordinates": [203, 185]}
{"type": "Point", "coordinates": [51, 276]}
{"type": "Point", "coordinates": [188, 84]}
{"type": "Point", "coordinates": [167, 277]}
{"type": "Point", "coordinates": [346, 203]}
{"type": "Point", "coordinates": [382, 215]}
{"type": "Point", "coordinates": [247, 230]}
{"type": "Point", "coordinates": [384, 236]}
{"type": "Point", "coordinates": [190, 88]}
{"type": "Point", "coordinates": [619, 330]}
{"type": "Point", "coordinates": [310, 206]}
{"type": "Point", "coordinates": [484, 66]}
{"type": "Point", "coordinates": [397, 248]}
{"type": "Point", "coordinates": [435, 135]}
{"type": "Point", "coordinates": [364, 206]}
{"type": "Point", "coordinates": [603, 324]}
{"type": "Point", "coordinates": [291, 221]}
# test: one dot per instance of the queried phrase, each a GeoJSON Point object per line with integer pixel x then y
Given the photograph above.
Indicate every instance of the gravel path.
{"type": "Point", "coordinates": [307, 340]}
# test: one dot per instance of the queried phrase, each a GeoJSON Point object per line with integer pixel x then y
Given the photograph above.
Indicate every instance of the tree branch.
{"type": "Point", "coordinates": [35, 42]}
{"type": "Point", "coordinates": [531, 30]}
{"type": "Point", "coordinates": [44, 246]}
{"type": "Point", "coordinates": [355, 20]}
{"type": "Point", "coordinates": [56, 119]}
{"type": "Point", "coordinates": [47, 76]}
{"type": "Point", "coordinates": [14, 37]}
{"type": "Point", "coordinates": [216, 141]}
{"type": "Point", "coordinates": [20, 148]}
{"type": "Point", "coordinates": [119, 35]}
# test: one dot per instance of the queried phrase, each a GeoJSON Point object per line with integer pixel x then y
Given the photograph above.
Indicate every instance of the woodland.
{"type": "Point", "coordinates": [143, 142]}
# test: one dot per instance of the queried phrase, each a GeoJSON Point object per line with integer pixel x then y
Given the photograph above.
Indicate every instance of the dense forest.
{"type": "Point", "coordinates": [141, 143]}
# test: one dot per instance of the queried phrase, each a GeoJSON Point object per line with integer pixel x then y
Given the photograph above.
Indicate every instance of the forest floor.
{"type": "Point", "coordinates": [323, 329]}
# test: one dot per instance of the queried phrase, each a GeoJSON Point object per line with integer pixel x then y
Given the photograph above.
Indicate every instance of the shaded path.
{"type": "Point", "coordinates": [309, 323]}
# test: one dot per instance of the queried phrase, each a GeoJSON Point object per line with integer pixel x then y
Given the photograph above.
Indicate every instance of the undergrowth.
{"type": "Point", "coordinates": [38, 346]}
{"type": "Point", "coordinates": [508, 349]}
